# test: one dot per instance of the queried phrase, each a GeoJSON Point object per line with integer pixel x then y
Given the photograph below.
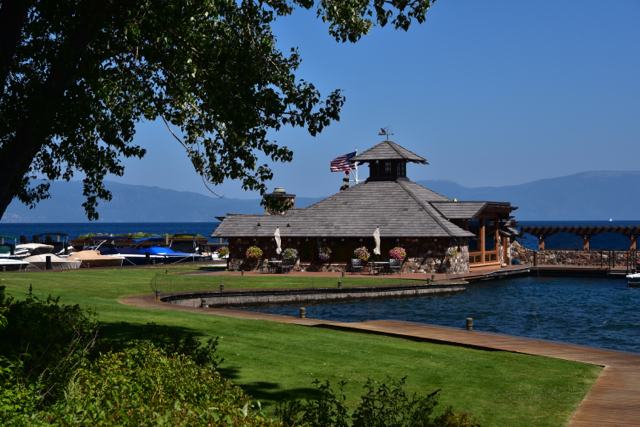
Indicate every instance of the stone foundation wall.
{"type": "Point", "coordinates": [424, 255]}
{"type": "Point", "coordinates": [575, 257]}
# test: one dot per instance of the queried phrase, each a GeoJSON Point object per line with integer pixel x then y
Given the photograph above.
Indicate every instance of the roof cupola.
{"type": "Point", "coordinates": [388, 161]}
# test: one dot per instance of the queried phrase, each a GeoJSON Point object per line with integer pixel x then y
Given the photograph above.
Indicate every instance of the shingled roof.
{"type": "Point", "coordinates": [388, 150]}
{"type": "Point", "coordinates": [399, 208]}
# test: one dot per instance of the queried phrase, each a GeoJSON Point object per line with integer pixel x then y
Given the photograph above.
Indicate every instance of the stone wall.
{"type": "Point", "coordinates": [574, 257]}
{"type": "Point", "coordinates": [424, 255]}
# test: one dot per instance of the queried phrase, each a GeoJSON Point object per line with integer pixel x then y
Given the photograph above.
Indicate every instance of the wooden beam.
{"type": "Point", "coordinates": [481, 239]}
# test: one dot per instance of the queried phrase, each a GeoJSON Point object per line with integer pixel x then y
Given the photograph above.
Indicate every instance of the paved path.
{"type": "Point", "coordinates": [614, 399]}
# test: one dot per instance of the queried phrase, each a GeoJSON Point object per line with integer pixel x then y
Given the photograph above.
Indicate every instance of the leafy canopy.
{"type": "Point", "coordinates": [78, 75]}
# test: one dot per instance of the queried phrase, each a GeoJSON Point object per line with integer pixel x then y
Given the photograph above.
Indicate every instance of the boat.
{"type": "Point", "coordinates": [131, 256]}
{"type": "Point", "coordinates": [35, 248]}
{"type": "Point", "coordinates": [634, 280]}
{"type": "Point", "coordinates": [172, 257]}
{"type": "Point", "coordinates": [7, 264]}
{"type": "Point", "coordinates": [96, 259]}
{"type": "Point", "coordinates": [58, 240]}
{"type": "Point", "coordinates": [40, 262]}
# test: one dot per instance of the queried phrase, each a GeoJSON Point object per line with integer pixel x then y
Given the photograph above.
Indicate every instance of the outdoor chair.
{"type": "Point", "coordinates": [287, 265]}
{"type": "Point", "coordinates": [395, 265]}
{"type": "Point", "coordinates": [36, 239]}
{"type": "Point", "coordinates": [23, 240]}
{"type": "Point", "coordinates": [356, 265]}
{"type": "Point", "coordinates": [265, 267]}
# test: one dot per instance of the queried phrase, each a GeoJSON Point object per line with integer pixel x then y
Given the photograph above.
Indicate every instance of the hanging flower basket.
{"type": "Point", "coordinates": [362, 253]}
{"type": "Point", "coordinates": [324, 253]}
{"type": "Point", "coordinates": [451, 253]}
{"type": "Point", "coordinates": [222, 251]}
{"type": "Point", "coordinates": [398, 253]}
{"type": "Point", "coordinates": [254, 252]}
{"type": "Point", "coordinates": [290, 253]}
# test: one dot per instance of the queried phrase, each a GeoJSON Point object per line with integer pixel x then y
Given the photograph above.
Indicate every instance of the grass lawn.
{"type": "Point", "coordinates": [272, 361]}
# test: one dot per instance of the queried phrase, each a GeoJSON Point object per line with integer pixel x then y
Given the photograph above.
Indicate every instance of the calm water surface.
{"type": "Point", "coordinates": [596, 312]}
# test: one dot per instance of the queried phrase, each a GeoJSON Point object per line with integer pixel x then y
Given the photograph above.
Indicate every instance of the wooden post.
{"type": "Point", "coordinates": [632, 243]}
{"type": "Point", "coordinates": [541, 244]}
{"type": "Point", "coordinates": [585, 243]}
{"type": "Point", "coordinates": [496, 238]}
{"type": "Point", "coordinates": [481, 238]}
{"type": "Point", "coordinates": [505, 257]}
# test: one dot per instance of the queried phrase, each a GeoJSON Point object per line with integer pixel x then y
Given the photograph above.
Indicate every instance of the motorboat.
{"type": "Point", "coordinates": [634, 280]}
{"type": "Point", "coordinates": [172, 257]}
{"type": "Point", "coordinates": [57, 240]}
{"type": "Point", "coordinates": [40, 262]}
{"type": "Point", "coordinates": [132, 256]}
{"type": "Point", "coordinates": [7, 264]}
{"type": "Point", "coordinates": [35, 248]}
{"type": "Point", "coordinates": [96, 259]}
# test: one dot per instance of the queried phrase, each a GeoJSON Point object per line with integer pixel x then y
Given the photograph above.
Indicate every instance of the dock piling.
{"type": "Point", "coordinates": [469, 323]}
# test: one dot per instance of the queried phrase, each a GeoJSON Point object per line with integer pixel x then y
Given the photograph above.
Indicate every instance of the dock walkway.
{"type": "Point", "coordinates": [614, 399]}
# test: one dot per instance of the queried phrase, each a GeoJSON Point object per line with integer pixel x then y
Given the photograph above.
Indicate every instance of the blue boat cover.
{"type": "Point", "coordinates": [157, 250]}
{"type": "Point", "coordinates": [150, 239]}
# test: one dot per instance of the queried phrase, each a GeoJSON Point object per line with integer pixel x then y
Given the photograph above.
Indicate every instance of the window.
{"type": "Point", "coordinates": [402, 169]}
{"type": "Point", "coordinates": [387, 168]}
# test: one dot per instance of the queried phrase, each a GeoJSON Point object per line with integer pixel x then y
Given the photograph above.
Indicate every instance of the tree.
{"type": "Point", "coordinates": [77, 75]}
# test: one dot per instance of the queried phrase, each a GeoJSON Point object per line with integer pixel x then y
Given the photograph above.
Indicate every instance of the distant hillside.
{"type": "Point", "coordinates": [583, 196]}
{"type": "Point", "coordinates": [135, 203]}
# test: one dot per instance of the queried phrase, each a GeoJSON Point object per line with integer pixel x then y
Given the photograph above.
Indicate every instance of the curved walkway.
{"type": "Point", "coordinates": [614, 399]}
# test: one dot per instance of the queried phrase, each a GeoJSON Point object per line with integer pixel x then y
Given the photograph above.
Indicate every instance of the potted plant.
{"type": "Point", "coordinates": [362, 254]}
{"type": "Point", "coordinates": [222, 252]}
{"type": "Point", "coordinates": [324, 253]}
{"type": "Point", "coordinates": [290, 253]}
{"type": "Point", "coordinates": [398, 253]}
{"type": "Point", "coordinates": [254, 253]}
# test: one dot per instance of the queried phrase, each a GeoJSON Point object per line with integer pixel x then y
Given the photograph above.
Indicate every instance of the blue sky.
{"type": "Point", "coordinates": [490, 92]}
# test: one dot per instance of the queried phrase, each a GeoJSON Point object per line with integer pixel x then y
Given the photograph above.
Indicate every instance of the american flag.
{"type": "Point", "coordinates": [340, 164]}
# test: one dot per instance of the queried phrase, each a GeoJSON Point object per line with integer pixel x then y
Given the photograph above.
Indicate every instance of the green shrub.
{"type": "Point", "coordinates": [382, 405]}
{"type": "Point", "coordinates": [40, 347]}
{"type": "Point", "coordinates": [143, 385]}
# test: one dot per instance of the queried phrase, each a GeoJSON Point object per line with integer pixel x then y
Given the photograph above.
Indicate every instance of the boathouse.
{"type": "Point", "coordinates": [437, 233]}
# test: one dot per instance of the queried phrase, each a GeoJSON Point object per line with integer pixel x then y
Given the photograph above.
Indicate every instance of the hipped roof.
{"type": "Point", "coordinates": [400, 208]}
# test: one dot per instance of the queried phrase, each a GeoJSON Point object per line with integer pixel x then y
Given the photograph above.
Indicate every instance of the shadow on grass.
{"type": "Point", "coordinates": [267, 393]}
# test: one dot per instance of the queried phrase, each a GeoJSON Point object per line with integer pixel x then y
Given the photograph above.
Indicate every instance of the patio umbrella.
{"type": "Point", "coordinates": [376, 236]}
{"type": "Point", "coordinates": [277, 237]}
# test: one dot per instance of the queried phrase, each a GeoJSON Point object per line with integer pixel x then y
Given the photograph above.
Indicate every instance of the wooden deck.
{"type": "Point", "coordinates": [614, 399]}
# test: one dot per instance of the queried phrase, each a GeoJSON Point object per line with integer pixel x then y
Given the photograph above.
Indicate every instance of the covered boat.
{"type": "Point", "coordinates": [35, 248]}
{"type": "Point", "coordinates": [171, 257]}
{"type": "Point", "coordinates": [57, 263]}
{"type": "Point", "coordinates": [131, 256]}
{"type": "Point", "coordinates": [634, 280]}
{"type": "Point", "coordinates": [96, 259]}
{"type": "Point", "coordinates": [7, 264]}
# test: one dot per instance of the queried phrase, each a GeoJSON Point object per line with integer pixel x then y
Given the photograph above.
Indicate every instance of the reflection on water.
{"type": "Point", "coordinates": [596, 312]}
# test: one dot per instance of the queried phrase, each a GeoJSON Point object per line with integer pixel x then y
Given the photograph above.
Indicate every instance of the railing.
{"type": "Point", "coordinates": [489, 257]}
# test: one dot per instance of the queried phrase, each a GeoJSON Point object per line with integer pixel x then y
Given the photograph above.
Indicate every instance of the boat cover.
{"type": "Point", "coordinates": [150, 239]}
{"type": "Point", "coordinates": [120, 251]}
{"type": "Point", "coordinates": [157, 250]}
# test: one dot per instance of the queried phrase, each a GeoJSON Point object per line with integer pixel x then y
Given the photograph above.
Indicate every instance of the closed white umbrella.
{"type": "Point", "coordinates": [376, 236]}
{"type": "Point", "coordinates": [277, 237]}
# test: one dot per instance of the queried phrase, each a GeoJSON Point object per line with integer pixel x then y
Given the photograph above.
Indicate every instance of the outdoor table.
{"type": "Point", "coordinates": [378, 266]}
{"type": "Point", "coordinates": [276, 265]}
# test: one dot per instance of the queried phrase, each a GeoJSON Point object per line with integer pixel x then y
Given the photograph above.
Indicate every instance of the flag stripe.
{"type": "Point", "coordinates": [341, 164]}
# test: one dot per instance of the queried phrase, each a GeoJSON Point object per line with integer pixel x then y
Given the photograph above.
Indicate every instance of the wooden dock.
{"type": "Point", "coordinates": [614, 399]}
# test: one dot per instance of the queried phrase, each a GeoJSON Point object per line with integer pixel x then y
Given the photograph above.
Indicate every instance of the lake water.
{"type": "Point", "coordinates": [587, 311]}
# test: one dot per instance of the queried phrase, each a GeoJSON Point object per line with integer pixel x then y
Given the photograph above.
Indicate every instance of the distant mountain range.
{"type": "Point", "coordinates": [580, 197]}
{"type": "Point", "coordinates": [583, 196]}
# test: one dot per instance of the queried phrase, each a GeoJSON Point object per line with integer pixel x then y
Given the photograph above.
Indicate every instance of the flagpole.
{"type": "Point", "coordinates": [356, 164]}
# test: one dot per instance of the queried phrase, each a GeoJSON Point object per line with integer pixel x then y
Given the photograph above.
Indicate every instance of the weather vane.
{"type": "Point", "coordinates": [386, 131]}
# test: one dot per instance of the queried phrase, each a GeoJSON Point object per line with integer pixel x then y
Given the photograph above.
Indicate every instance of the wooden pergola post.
{"type": "Point", "coordinates": [496, 238]}
{"type": "Point", "coordinates": [505, 257]}
{"type": "Point", "coordinates": [632, 243]}
{"type": "Point", "coordinates": [481, 238]}
{"type": "Point", "coordinates": [541, 244]}
{"type": "Point", "coordinates": [585, 244]}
